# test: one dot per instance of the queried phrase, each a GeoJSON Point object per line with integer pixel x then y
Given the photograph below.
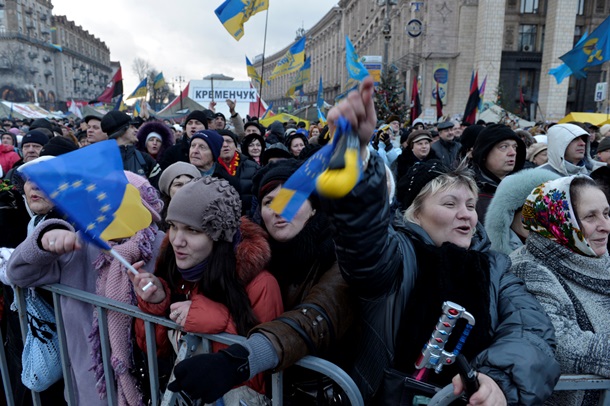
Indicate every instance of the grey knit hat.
{"type": "Point", "coordinates": [208, 204]}
{"type": "Point", "coordinates": [175, 170]}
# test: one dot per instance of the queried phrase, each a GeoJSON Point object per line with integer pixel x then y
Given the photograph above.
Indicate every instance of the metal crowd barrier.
{"type": "Point", "coordinates": [103, 305]}
{"type": "Point", "coordinates": [566, 382]}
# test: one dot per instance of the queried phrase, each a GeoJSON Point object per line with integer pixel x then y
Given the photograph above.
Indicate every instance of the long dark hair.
{"type": "Point", "coordinates": [219, 282]}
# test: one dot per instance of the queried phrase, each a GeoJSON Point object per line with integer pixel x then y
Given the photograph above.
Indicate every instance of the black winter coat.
{"type": "Point", "coordinates": [242, 181]}
{"type": "Point", "coordinates": [176, 153]}
{"type": "Point", "coordinates": [378, 261]}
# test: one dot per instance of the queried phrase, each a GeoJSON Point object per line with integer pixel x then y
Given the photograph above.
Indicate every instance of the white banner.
{"type": "Point", "coordinates": [205, 91]}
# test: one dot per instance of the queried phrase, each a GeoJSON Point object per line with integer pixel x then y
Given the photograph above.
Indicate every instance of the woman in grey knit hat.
{"type": "Point", "coordinates": [210, 275]}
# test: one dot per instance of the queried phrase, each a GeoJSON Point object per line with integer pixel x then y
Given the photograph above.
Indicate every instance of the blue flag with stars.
{"type": "Point", "coordinates": [89, 186]}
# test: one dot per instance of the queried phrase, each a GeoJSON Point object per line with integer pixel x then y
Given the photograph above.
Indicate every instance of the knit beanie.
{"type": "Point", "coordinates": [469, 135]}
{"type": "Point", "coordinates": [213, 139]}
{"type": "Point", "coordinates": [229, 133]}
{"type": "Point", "coordinates": [199, 115]}
{"type": "Point", "coordinates": [277, 150]}
{"type": "Point", "coordinates": [489, 137]}
{"type": "Point", "coordinates": [272, 175]}
{"type": "Point", "coordinates": [174, 171]}
{"type": "Point", "coordinates": [148, 194]}
{"type": "Point", "coordinates": [114, 121]}
{"type": "Point", "coordinates": [604, 144]}
{"type": "Point", "coordinates": [416, 178]}
{"type": "Point", "coordinates": [58, 146]}
{"type": "Point", "coordinates": [207, 204]}
{"type": "Point", "coordinates": [41, 123]}
{"type": "Point", "coordinates": [537, 148]}
{"type": "Point", "coordinates": [34, 137]}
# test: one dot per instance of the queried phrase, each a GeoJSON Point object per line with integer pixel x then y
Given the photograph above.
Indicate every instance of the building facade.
{"type": "Point", "coordinates": [49, 59]}
{"type": "Point", "coordinates": [511, 44]}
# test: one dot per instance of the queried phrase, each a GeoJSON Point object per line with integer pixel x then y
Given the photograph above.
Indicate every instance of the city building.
{"type": "Point", "coordinates": [511, 44]}
{"type": "Point", "coordinates": [49, 59]}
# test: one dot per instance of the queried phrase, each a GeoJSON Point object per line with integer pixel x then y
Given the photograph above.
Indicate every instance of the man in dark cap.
{"type": "Point", "coordinates": [94, 129]}
{"type": "Point", "coordinates": [197, 120]}
{"type": "Point", "coordinates": [446, 148]}
{"type": "Point", "coordinates": [119, 127]}
{"type": "Point", "coordinates": [31, 145]}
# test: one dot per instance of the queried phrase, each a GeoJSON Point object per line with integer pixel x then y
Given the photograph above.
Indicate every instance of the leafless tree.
{"type": "Point", "coordinates": [141, 68]}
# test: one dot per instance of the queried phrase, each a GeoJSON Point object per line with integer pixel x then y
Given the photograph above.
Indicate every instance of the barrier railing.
{"type": "Point", "coordinates": [103, 305]}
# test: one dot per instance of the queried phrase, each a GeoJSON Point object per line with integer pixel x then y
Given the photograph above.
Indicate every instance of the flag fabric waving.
{"type": "Point", "coordinates": [594, 51]}
{"type": "Point", "coordinates": [252, 73]}
{"type": "Point", "coordinates": [415, 110]}
{"type": "Point", "coordinates": [113, 89]}
{"type": "Point", "coordinates": [120, 104]}
{"type": "Point", "coordinates": [320, 103]}
{"type": "Point", "coordinates": [159, 81]}
{"type": "Point", "coordinates": [233, 14]}
{"type": "Point", "coordinates": [470, 112]}
{"type": "Point", "coordinates": [75, 110]}
{"type": "Point", "coordinates": [90, 187]}
{"type": "Point", "coordinates": [303, 76]}
{"type": "Point", "coordinates": [268, 112]}
{"type": "Point", "coordinates": [355, 68]}
{"type": "Point", "coordinates": [141, 90]}
{"type": "Point", "coordinates": [482, 93]}
{"type": "Point", "coordinates": [292, 60]}
{"type": "Point", "coordinates": [439, 103]}
{"type": "Point", "coordinates": [563, 71]}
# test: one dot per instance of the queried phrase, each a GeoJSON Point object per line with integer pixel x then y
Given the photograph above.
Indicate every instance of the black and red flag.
{"type": "Point", "coordinates": [415, 102]}
{"type": "Point", "coordinates": [470, 112]}
{"type": "Point", "coordinates": [521, 102]}
{"type": "Point", "coordinates": [439, 103]}
{"type": "Point", "coordinates": [113, 89]}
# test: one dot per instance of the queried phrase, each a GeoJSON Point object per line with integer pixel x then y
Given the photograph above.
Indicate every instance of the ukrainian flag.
{"type": "Point", "coordinates": [594, 51]}
{"type": "Point", "coordinates": [355, 68]}
{"type": "Point", "coordinates": [291, 61]}
{"type": "Point", "coordinates": [320, 103]}
{"type": "Point", "coordinates": [303, 76]}
{"type": "Point", "coordinates": [159, 81]}
{"type": "Point", "coordinates": [234, 13]}
{"type": "Point", "coordinates": [141, 90]}
{"type": "Point", "coordinates": [89, 186]}
{"type": "Point", "coordinates": [252, 73]}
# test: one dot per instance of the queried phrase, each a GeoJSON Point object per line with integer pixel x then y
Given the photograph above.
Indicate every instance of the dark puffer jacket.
{"type": "Point", "coordinates": [378, 260]}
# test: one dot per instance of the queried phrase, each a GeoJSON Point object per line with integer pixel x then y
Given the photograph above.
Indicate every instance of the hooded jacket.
{"type": "Point", "coordinates": [167, 138]}
{"type": "Point", "coordinates": [559, 137]}
{"type": "Point", "coordinates": [379, 263]}
{"type": "Point", "coordinates": [510, 196]}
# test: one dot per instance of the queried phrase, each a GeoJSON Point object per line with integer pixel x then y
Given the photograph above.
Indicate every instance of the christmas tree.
{"type": "Point", "coordinates": [390, 96]}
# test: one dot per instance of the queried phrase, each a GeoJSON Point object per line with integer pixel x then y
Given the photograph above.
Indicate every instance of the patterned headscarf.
{"type": "Point", "coordinates": [548, 211]}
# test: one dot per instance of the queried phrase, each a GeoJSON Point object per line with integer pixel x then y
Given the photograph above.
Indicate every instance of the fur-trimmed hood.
{"type": "Point", "coordinates": [167, 137]}
{"type": "Point", "coordinates": [509, 197]}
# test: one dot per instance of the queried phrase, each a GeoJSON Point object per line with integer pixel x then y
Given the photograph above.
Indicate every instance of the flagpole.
{"type": "Point", "coordinates": [260, 86]}
{"type": "Point", "coordinates": [127, 265]}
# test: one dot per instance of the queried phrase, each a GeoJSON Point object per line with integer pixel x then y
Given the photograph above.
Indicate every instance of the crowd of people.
{"type": "Point", "coordinates": [511, 225]}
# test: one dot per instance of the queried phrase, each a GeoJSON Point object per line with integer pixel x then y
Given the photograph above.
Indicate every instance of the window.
{"type": "Point", "coordinates": [527, 38]}
{"type": "Point", "coordinates": [529, 6]}
{"type": "Point", "coordinates": [526, 81]}
{"type": "Point", "coordinates": [580, 8]}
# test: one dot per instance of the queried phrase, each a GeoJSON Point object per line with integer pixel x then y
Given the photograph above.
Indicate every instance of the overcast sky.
{"type": "Point", "coordinates": [184, 37]}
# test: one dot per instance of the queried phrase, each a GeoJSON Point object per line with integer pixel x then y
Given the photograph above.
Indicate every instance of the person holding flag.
{"type": "Point", "coordinates": [85, 184]}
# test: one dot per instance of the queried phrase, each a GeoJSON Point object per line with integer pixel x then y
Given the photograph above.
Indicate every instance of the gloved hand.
{"type": "Point", "coordinates": [209, 376]}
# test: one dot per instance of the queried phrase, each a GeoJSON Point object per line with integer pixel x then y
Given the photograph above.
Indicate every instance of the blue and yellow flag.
{"type": "Point", "coordinates": [563, 71]}
{"type": "Point", "coordinates": [159, 81]}
{"type": "Point", "coordinates": [252, 73]}
{"type": "Point", "coordinates": [320, 103]}
{"type": "Point", "coordinates": [594, 51]}
{"type": "Point", "coordinates": [120, 104]}
{"type": "Point", "coordinates": [333, 171]}
{"type": "Point", "coordinates": [234, 13]}
{"type": "Point", "coordinates": [302, 76]}
{"type": "Point", "coordinates": [291, 61]}
{"type": "Point", "coordinates": [90, 187]}
{"type": "Point", "coordinates": [141, 90]}
{"type": "Point", "coordinates": [355, 68]}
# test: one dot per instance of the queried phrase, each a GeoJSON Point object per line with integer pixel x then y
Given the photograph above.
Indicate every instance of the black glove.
{"type": "Point", "coordinates": [209, 376]}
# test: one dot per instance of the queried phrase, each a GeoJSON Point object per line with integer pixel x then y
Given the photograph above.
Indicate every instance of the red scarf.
{"type": "Point", "coordinates": [232, 166]}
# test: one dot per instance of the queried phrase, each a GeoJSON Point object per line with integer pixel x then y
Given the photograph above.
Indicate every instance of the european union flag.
{"type": "Point", "coordinates": [334, 171]}
{"type": "Point", "coordinates": [594, 51]}
{"type": "Point", "coordinates": [140, 91]}
{"type": "Point", "coordinates": [355, 68]}
{"type": "Point", "coordinates": [89, 186]}
{"type": "Point", "coordinates": [292, 60]}
{"type": "Point", "coordinates": [234, 13]}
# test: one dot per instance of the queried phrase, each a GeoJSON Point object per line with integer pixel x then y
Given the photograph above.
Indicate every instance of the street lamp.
{"type": "Point", "coordinates": [387, 30]}
{"type": "Point", "coordinates": [180, 80]}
